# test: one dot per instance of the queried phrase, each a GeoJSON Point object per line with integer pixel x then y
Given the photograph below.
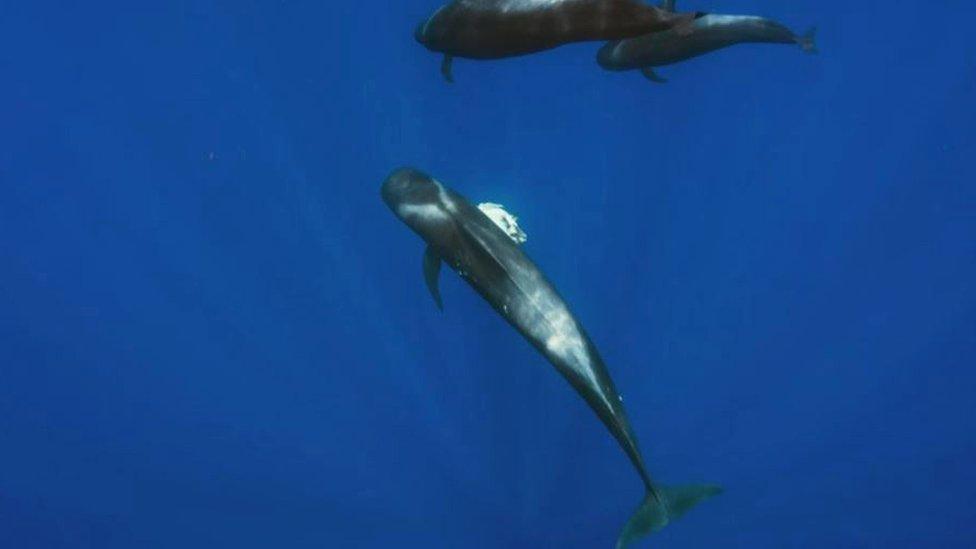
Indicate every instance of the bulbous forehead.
{"type": "Point", "coordinates": [410, 185]}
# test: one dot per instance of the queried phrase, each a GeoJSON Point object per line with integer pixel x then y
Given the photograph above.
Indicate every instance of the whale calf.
{"type": "Point", "coordinates": [707, 33]}
{"type": "Point", "coordinates": [491, 261]}
{"type": "Point", "coordinates": [493, 29]}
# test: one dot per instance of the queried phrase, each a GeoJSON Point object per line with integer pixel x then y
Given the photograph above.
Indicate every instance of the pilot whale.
{"type": "Point", "coordinates": [491, 261]}
{"type": "Point", "coordinates": [493, 29]}
{"type": "Point", "coordinates": [707, 33]}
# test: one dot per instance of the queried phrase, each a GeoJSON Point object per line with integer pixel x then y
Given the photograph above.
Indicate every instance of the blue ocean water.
{"type": "Point", "coordinates": [213, 333]}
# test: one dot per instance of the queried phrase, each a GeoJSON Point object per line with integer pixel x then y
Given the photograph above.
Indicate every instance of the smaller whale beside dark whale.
{"type": "Point", "coordinates": [493, 29]}
{"type": "Point", "coordinates": [708, 32]}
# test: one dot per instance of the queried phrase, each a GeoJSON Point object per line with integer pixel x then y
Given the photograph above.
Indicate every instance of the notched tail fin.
{"type": "Point", "coordinates": [660, 508]}
{"type": "Point", "coordinates": [808, 41]}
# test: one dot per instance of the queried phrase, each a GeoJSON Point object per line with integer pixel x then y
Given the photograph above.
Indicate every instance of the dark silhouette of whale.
{"type": "Point", "coordinates": [493, 29]}
{"type": "Point", "coordinates": [708, 32]}
{"type": "Point", "coordinates": [485, 256]}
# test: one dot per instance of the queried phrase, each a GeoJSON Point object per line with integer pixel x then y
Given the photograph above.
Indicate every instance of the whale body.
{"type": "Point", "coordinates": [707, 33]}
{"type": "Point", "coordinates": [493, 29]}
{"type": "Point", "coordinates": [494, 265]}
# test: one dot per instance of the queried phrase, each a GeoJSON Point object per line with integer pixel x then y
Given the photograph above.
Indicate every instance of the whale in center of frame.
{"type": "Point", "coordinates": [493, 29]}
{"type": "Point", "coordinates": [492, 262]}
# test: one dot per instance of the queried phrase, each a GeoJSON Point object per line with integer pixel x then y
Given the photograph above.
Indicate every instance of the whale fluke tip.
{"type": "Point", "coordinates": [661, 506]}
{"type": "Point", "coordinates": [808, 41]}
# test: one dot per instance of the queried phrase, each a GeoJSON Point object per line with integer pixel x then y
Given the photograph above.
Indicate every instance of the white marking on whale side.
{"type": "Point", "coordinates": [427, 212]}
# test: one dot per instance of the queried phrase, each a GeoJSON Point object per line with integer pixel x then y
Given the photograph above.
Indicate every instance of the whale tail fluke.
{"type": "Point", "coordinates": [808, 41]}
{"type": "Point", "coordinates": [661, 507]}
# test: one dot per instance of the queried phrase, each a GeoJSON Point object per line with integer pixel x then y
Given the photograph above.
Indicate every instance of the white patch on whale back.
{"type": "Point", "coordinates": [558, 344]}
{"type": "Point", "coordinates": [445, 200]}
{"type": "Point", "coordinates": [719, 20]}
{"type": "Point", "coordinates": [438, 211]}
{"type": "Point", "coordinates": [526, 5]}
{"type": "Point", "coordinates": [505, 221]}
{"type": "Point", "coordinates": [427, 212]}
{"type": "Point", "coordinates": [564, 340]}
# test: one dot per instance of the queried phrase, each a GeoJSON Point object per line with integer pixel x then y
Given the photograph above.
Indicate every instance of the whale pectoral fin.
{"type": "Point", "coordinates": [446, 65]}
{"type": "Point", "coordinates": [432, 268]}
{"type": "Point", "coordinates": [649, 74]}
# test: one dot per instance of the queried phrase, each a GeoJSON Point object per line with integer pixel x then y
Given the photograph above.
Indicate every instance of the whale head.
{"type": "Point", "coordinates": [434, 32]}
{"type": "Point", "coordinates": [418, 200]}
{"type": "Point", "coordinates": [420, 33]}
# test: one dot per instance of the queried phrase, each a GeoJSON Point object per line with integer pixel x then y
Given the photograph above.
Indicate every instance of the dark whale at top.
{"type": "Point", "coordinates": [708, 32]}
{"type": "Point", "coordinates": [493, 29]}
{"type": "Point", "coordinates": [469, 242]}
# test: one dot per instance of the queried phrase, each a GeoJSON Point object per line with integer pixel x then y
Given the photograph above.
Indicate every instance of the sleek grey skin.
{"type": "Point", "coordinates": [462, 236]}
{"type": "Point", "coordinates": [707, 33]}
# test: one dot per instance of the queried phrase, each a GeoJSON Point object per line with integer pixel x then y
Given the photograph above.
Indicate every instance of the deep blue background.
{"type": "Point", "coordinates": [214, 334]}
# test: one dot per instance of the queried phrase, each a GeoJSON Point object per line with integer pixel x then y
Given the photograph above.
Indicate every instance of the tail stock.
{"type": "Point", "coordinates": [808, 41]}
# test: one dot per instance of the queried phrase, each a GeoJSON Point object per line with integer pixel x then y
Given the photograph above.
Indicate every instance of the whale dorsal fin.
{"type": "Point", "coordinates": [667, 5]}
{"type": "Point", "coordinates": [432, 268]}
